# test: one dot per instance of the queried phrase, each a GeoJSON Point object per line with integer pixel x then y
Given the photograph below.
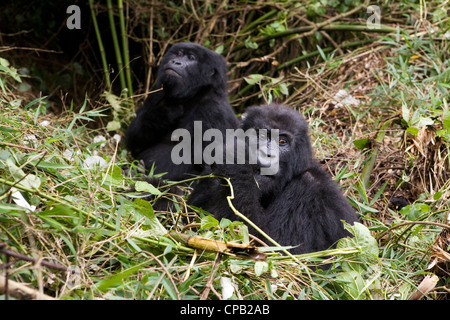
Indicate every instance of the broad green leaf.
{"type": "Point", "coordinates": [261, 267]}
{"type": "Point", "coordinates": [365, 239]}
{"type": "Point", "coordinates": [144, 186]}
{"type": "Point", "coordinates": [29, 181]}
{"type": "Point", "coordinates": [253, 78]}
{"type": "Point", "coordinates": [208, 222]}
{"type": "Point", "coordinates": [116, 279]}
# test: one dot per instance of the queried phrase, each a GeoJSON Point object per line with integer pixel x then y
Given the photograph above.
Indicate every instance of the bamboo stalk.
{"type": "Point", "coordinates": [126, 56]}
{"type": "Point", "coordinates": [100, 46]}
{"type": "Point", "coordinates": [258, 21]}
{"type": "Point", "coordinates": [123, 84]}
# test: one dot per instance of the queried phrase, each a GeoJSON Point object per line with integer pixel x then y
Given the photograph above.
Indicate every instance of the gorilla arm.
{"type": "Point", "coordinates": [154, 120]}
{"type": "Point", "coordinates": [309, 213]}
{"type": "Point", "coordinates": [212, 193]}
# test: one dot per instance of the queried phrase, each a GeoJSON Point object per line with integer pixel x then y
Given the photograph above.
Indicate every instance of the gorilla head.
{"type": "Point", "coordinates": [292, 149]}
{"type": "Point", "coordinates": [194, 83]}
{"type": "Point", "coordinates": [188, 68]}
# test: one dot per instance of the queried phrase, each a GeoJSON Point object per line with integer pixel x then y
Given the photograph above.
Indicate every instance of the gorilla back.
{"type": "Point", "coordinates": [191, 86]}
{"type": "Point", "coordinates": [300, 205]}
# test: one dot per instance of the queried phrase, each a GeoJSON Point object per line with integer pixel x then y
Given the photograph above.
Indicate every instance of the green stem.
{"type": "Point", "coordinates": [126, 55]}
{"type": "Point", "coordinates": [123, 84]}
{"type": "Point", "coordinates": [258, 21]}
{"type": "Point", "coordinates": [249, 222]}
{"type": "Point", "coordinates": [368, 167]}
{"type": "Point", "coordinates": [100, 46]}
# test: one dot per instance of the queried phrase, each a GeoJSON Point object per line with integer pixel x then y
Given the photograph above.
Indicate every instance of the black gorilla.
{"type": "Point", "coordinates": [300, 205]}
{"type": "Point", "coordinates": [191, 86]}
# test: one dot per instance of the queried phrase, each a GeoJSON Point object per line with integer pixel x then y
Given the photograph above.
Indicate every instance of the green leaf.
{"type": "Point", "coordinates": [405, 112]}
{"type": "Point", "coordinates": [253, 78]}
{"type": "Point", "coordinates": [446, 120]}
{"type": "Point", "coordinates": [113, 126]}
{"type": "Point", "coordinates": [424, 121]}
{"type": "Point", "coordinates": [437, 195]}
{"type": "Point", "coordinates": [365, 239]}
{"type": "Point", "coordinates": [261, 267]}
{"type": "Point", "coordinates": [362, 144]}
{"type": "Point", "coordinates": [220, 48]}
{"type": "Point", "coordinates": [208, 222]}
{"type": "Point", "coordinates": [142, 208]}
{"type": "Point", "coordinates": [250, 44]}
{"type": "Point", "coordinates": [169, 288]}
{"type": "Point", "coordinates": [29, 181]}
{"type": "Point", "coordinates": [144, 186]}
{"type": "Point", "coordinates": [284, 89]}
{"type": "Point", "coordinates": [224, 223]}
{"type": "Point", "coordinates": [35, 101]}
{"type": "Point", "coordinates": [114, 176]}
{"type": "Point", "coordinates": [116, 279]}
{"type": "Point", "coordinates": [353, 283]}
{"type": "Point", "coordinates": [412, 130]}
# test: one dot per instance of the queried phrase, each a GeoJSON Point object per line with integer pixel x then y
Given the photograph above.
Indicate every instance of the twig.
{"type": "Point", "coordinates": [20, 291]}
{"type": "Point", "coordinates": [16, 146]}
{"type": "Point", "coordinates": [167, 273]}
{"type": "Point", "coordinates": [21, 256]}
{"type": "Point", "coordinates": [209, 285]}
{"type": "Point", "coordinates": [442, 225]}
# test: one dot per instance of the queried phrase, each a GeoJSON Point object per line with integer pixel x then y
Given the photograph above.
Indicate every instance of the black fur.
{"type": "Point", "coordinates": [194, 88]}
{"type": "Point", "coordinates": [300, 205]}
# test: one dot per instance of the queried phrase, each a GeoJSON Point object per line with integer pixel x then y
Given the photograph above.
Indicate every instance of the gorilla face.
{"type": "Point", "coordinates": [292, 143]}
{"type": "Point", "coordinates": [188, 69]}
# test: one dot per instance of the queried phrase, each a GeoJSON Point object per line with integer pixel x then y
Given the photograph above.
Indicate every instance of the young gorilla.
{"type": "Point", "coordinates": [300, 205]}
{"type": "Point", "coordinates": [191, 86]}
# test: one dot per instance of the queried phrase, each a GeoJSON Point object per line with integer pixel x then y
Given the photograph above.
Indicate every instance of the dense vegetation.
{"type": "Point", "coordinates": [71, 229]}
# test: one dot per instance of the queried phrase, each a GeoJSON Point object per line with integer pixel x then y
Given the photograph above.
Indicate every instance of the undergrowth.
{"type": "Point", "coordinates": [66, 189]}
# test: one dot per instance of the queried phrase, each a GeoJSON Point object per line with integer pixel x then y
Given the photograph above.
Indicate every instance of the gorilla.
{"type": "Point", "coordinates": [191, 86]}
{"type": "Point", "coordinates": [299, 205]}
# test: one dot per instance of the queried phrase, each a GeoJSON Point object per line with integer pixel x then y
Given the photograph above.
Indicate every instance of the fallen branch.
{"type": "Point", "coordinates": [20, 291]}
{"type": "Point", "coordinates": [427, 284]}
{"type": "Point", "coordinates": [20, 256]}
{"type": "Point", "coordinates": [230, 248]}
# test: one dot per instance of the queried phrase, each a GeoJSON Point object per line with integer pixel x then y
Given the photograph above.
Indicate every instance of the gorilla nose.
{"type": "Point", "coordinates": [177, 63]}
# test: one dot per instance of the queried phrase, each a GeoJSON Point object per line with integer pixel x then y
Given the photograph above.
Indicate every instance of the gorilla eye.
{"type": "Point", "coordinates": [283, 141]}
{"type": "Point", "coordinates": [191, 57]}
{"type": "Point", "coordinates": [180, 53]}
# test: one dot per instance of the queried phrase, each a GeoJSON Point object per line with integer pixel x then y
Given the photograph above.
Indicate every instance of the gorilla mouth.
{"type": "Point", "coordinates": [172, 72]}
